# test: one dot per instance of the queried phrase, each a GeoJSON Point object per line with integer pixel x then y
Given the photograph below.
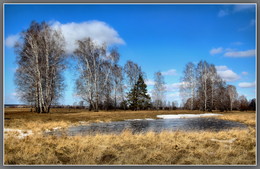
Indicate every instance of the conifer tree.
{"type": "Point", "coordinates": [138, 97]}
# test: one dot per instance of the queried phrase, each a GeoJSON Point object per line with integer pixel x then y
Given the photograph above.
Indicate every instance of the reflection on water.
{"type": "Point", "coordinates": [158, 125]}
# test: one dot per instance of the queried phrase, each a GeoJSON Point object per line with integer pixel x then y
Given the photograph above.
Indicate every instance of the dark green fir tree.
{"type": "Point", "coordinates": [138, 98]}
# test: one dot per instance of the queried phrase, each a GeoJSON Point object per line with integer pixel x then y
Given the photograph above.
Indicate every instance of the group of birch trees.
{"type": "Point", "coordinates": [102, 82]}
{"type": "Point", "coordinates": [40, 59]}
{"type": "Point", "coordinates": [203, 89]}
{"type": "Point", "coordinates": [100, 74]}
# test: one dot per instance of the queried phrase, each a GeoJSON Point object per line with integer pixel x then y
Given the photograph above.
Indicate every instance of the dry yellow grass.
{"type": "Point", "coordinates": [248, 118]}
{"type": "Point", "coordinates": [165, 148]}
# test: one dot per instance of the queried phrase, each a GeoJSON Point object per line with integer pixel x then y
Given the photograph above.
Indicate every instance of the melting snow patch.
{"type": "Point", "coordinates": [133, 119]}
{"type": "Point", "coordinates": [52, 129]}
{"type": "Point", "coordinates": [178, 116]}
{"type": "Point", "coordinates": [139, 119]}
{"type": "Point", "coordinates": [83, 122]}
{"type": "Point", "coordinates": [56, 128]}
{"type": "Point", "coordinates": [20, 133]}
{"type": "Point", "coordinates": [224, 141]}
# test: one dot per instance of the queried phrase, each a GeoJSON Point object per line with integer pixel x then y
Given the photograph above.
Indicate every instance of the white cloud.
{"type": "Point", "coordinates": [243, 7]}
{"type": "Point", "coordinates": [227, 74]}
{"type": "Point", "coordinates": [173, 87]}
{"type": "Point", "coordinates": [244, 73]}
{"type": "Point", "coordinates": [74, 95]}
{"type": "Point", "coordinates": [235, 9]}
{"type": "Point", "coordinates": [14, 94]}
{"type": "Point", "coordinates": [221, 68]}
{"type": "Point", "coordinates": [11, 40]}
{"type": "Point", "coordinates": [222, 13]}
{"type": "Point", "coordinates": [99, 31]}
{"type": "Point", "coordinates": [237, 43]}
{"type": "Point", "coordinates": [171, 72]}
{"type": "Point", "coordinates": [252, 22]}
{"type": "Point", "coordinates": [249, 25]}
{"type": "Point", "coordinates": [241, 54]}
{"type": "Point", "coordinates": [246, 84]}
{"type": "Point", "coordinates": [12, 98]}
{"type": "Point", "coordinates": [13, 69]}
{"type": "Point", "coordinates": [216, 50]}
{"type": "Point", "coordinates": [149, 82]}
{"type": "Point", "coordinates": [176, 94]}
{"type": "Point", "coordinates": [229, 50]}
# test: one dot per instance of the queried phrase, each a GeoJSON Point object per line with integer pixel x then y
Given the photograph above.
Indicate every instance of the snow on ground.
{"type": "Point", "coordinates": [177, 116]}
{"type": "Point", "coordinates": [139, 119]}
{"type": "Point", "coordinates": [56, 128]}
{"type": "Point", "coordinates": [133, 119]}
{"type": "Point", "coordinates": [53, 129]}
{"type": "Point", "coordinates": [83, 122]}
{"type": "Point", "coordinates": [19, 133]}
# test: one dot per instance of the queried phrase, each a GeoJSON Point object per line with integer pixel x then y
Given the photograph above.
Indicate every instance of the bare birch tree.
{"type": "Point", "coordinates": [203, 79]}
{"type": "Point", "coordinates": [95, 67]}
{"type": "Point", "coordinates": [243, 103]}
{"type": "Point", "coordinates": [40, 59]}
{"type": "Point", "coordinates": [222, 101]}
{"type": "Point", "coordinates": [117, 84]}
{"type": "Point", "coordinates": [232, 93]}
{"type": "Point", "coordinates": [132, 71]}
{"type": "Point", "coordinates": [213, 81]}
{"type": "Point", "coordinates": [189, 84]}
{"type": "Point", "coordinates": [158, 93]}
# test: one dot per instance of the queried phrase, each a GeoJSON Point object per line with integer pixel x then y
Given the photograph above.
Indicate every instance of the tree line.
{"type": "Point", "coordinates": [102, 83]}
{"type": "Point", "coordinates": [203, 89]}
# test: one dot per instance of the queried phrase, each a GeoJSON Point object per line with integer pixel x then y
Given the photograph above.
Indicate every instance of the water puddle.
{"type": "Point", "coordinates": [156, 125]}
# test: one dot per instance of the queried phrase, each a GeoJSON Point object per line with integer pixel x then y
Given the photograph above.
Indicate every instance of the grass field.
{"type": "Point", "coordinates": [165, 148]}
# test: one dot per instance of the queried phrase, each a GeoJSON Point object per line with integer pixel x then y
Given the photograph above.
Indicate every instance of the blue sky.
{"type": "Point", "coordinates": [157, 37]}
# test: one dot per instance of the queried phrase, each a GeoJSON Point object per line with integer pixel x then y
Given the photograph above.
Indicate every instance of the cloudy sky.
{"type": "Point", "coordinates": [157, 37]}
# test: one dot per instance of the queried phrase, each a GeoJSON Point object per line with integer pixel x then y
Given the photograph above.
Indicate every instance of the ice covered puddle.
{"type": "Point", "coordinates": [178, 116]}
